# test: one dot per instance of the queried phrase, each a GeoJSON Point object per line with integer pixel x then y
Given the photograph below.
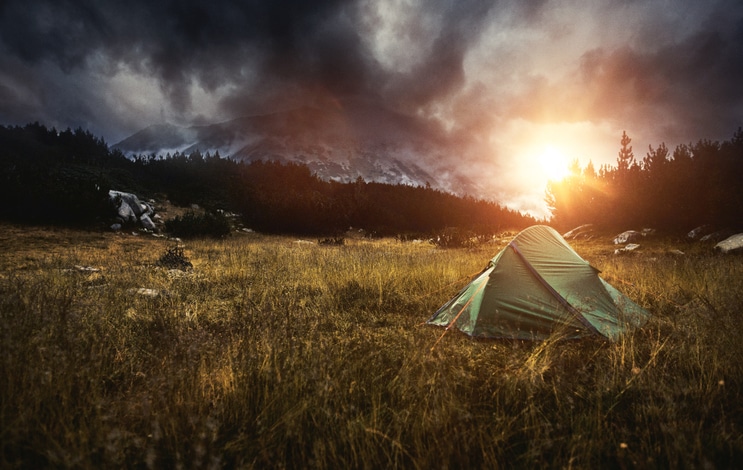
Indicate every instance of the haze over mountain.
{"type": "Point", "coordinates": [341, 141]}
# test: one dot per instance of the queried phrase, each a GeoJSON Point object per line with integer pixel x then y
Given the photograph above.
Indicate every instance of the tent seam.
{"type": "Point", "coordinates": [584, 321]}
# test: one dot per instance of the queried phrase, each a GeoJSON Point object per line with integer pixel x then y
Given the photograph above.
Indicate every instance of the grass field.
{"type": "Point", "coordinates": [276, 353]}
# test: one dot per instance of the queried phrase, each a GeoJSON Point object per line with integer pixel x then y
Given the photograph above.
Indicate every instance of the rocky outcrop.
{"type": "Point", "coordinates": [131, 210]}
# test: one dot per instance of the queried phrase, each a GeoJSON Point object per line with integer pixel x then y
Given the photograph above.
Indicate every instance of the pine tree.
{"type": "Point", "coordinates": [626, 159]}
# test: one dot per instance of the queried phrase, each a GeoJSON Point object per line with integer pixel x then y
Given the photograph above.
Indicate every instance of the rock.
{"type": "Point", "coordinates": [116, 227]}
{"type": "Point", "coordinates": [626, 249]}
{"type": "Point", "coordinates": [126, 213]}
{"type": "Point", "coordinates": [647, 231]}
{"type": "Point", "coordinates": [731, 244]}
{"type": "Point", "coordinates": [147, 223]}
{"type": "Point", "coordinates": [583, 231]}
{"type": "Point", "coordinates": [151, 293]}
{"type": "Point", "coordinates": [698, 232]}
{"type": "Point", "coordinates": [627, 237]}
{"type": "Point", "coordinates": [86, 269]}
{"type": "Point", "coordinates": [131, 210]}
{"type": "Point", "coordinates": [130, 199]}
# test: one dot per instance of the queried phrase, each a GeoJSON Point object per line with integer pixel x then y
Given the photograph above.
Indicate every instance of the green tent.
{"type": "Point", "coordinates": [535, 286]}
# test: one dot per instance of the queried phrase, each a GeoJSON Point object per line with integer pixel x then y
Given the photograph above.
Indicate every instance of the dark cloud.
{"type": "Point", "coordinates": [440, 72]}
{"type": "Point", "coordinates": [675, 73]}
{"type": "Point", "coordinates": [692, 87]}
{"type": "Point", "coordinates": [182, 42]}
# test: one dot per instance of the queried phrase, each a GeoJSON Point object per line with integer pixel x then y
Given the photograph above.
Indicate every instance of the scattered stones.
{"type": "Point", "coordinates": [92, 276]}
{"type": "Point", "coordinates": [86, 269]}
{"type": "Point", "coordinates": [630, 247]}
{"type": "Point", "coordinates": [150, 293]}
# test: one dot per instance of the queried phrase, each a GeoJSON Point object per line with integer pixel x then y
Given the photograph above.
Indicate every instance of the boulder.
{"type": "Point", "coordinates": [130, 199]}
{"type": "Point", "coordinates": [627, 237]}
{"type": "Point", "coordinates": [147, 223]}
{"type": "Point", "coordinates": [131, 210]}
{"type": "Point", "coordinates": [125, 212]}
{"type": "Point", "coordinates": [582, 231]}
{"type": "Point", "coordinates": [698, 232]}
{"type": "Point", "coordinates": [731, 244]}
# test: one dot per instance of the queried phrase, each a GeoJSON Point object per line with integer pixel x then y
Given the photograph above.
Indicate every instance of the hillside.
{"type": "Point", "coordinates": [352, 139]}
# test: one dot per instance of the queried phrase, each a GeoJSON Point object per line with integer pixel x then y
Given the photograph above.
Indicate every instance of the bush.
{"type": "Point", "coordinates": [454, 238]}
{"type": "Point", "coordinates": [334, 241]}
{"type": "Point", "coordinates": [175, 258]}
{"type": "Point", "coordinates": [192, 225]}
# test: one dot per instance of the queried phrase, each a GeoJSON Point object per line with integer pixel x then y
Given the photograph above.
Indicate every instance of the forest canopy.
{"type": "Point", "coordinates": [694, 185]}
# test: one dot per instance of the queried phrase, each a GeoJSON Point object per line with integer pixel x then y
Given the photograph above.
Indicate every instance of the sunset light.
{"type": "Point", "coordinates": [554, 163]}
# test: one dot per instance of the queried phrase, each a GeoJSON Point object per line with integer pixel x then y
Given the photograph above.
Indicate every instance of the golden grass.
{"type": "Point", "coordinates": [277, 353]}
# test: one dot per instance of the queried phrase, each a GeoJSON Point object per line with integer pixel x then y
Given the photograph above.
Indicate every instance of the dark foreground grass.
{"type": "Point", "coordinates": [276, 354]}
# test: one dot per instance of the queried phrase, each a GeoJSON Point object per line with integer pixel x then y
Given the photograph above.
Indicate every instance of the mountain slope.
{"type": "Point", "coordinates": [349, 140]}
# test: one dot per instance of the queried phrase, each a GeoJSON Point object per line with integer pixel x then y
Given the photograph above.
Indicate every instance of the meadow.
{"type": "Point", "coordinates": [274, 352]}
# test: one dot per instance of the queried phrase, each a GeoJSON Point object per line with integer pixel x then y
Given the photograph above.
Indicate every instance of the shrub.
{"type": "Point", "coordinates": [454, 238]}
{"type": "Point", "coordinates": [192, 225]}
{"type": "Point", "coordinates": [335, 241]}
{"type": "Point", "coordinates": [175, 258]}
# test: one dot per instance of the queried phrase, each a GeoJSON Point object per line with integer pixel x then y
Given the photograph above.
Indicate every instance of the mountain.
{"type": "Point", "coordinates": [350, 139]}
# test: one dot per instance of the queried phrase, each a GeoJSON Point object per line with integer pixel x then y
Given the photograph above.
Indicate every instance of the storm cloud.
{"type": "Point", "coordinates": [490, 73]}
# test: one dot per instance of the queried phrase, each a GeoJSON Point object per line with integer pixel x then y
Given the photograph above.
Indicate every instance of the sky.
{"type": "Point", "coordinates": [519, 84]}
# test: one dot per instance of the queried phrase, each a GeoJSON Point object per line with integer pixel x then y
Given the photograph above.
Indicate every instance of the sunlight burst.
{"type": "Point", "coordinates": [554, 163]}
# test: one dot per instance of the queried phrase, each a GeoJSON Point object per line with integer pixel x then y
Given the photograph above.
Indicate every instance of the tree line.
{"type": "Point", "coordinates": [694, 185]}
{"type": "Point", "coordinates": [63, 177]}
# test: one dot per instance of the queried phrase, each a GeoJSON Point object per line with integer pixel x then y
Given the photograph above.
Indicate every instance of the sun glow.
{"type": "Point", "coordinates": [554, 163]}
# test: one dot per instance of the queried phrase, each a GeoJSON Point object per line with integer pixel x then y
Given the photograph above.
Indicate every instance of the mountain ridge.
{"type": "Point", "coordinates": [341, 143]}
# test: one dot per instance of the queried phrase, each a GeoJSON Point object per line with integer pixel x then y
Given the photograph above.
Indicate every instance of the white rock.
{"type": "Point", "coordinates": [147, 223]}
{"type": "Point", "coordinates": [627, 237]}
{"type": "Point", "coordinates": [733, 243]}
{"type": "Point", "coordinates": [627, 249]}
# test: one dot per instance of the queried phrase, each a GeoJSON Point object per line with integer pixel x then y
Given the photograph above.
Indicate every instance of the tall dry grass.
{"type": "Point", "coordinates": [273, 353]}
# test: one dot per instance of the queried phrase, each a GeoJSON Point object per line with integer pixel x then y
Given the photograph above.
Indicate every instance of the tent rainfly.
{"type": "Point", "coordinates": [536, 286]}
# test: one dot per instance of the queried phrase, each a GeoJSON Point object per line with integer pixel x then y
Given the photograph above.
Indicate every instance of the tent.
{"type": "Point", "coordinates": [536, 286]}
